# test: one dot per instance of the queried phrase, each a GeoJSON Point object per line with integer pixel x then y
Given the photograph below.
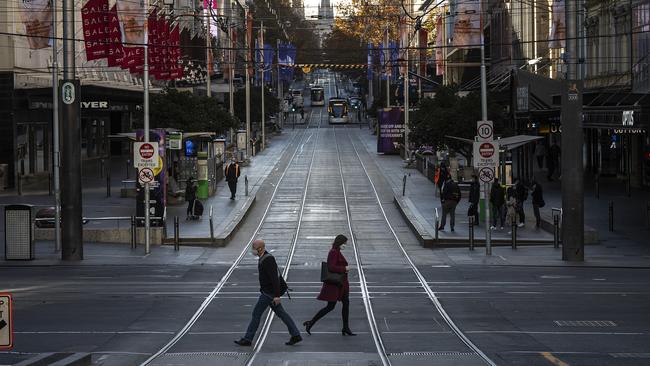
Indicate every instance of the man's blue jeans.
{"type": "Point", "coordinates": [264, 301]}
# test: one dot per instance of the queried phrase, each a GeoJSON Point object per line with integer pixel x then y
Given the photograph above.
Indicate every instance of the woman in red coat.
{"type": "Point", "coordinates": [332, 293]}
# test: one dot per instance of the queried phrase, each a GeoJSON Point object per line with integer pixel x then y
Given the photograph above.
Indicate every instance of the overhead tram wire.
{"type": "Point", "coordinates": [185, 329]}
{"type": "Point", "coordinates": [423, 282]}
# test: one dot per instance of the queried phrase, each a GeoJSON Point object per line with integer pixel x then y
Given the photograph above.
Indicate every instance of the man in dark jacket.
{"type": "Point", "coordinates": [497, 203]}
{"type": "Point", "coordinates": [450, 196]}
{"type": "Point", "coordinates": [190, 197]}
{"type": "Point", "coordinates": [269, 296]}
{"type": "Point", "coordinates": [474, 199]}
{"type": "Point", "coordinates": [232, 173]}
{"type": "Point", "coordinates": [521, 194]}
{"type": "Point", "coordinates": [538, 201]}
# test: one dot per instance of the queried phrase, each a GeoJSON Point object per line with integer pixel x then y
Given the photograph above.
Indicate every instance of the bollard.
{"type": "Point", "coordinates": [404, 185]}
{"type": "Point", "coordinates": [611, 215]}
{"type": "Point", "coordinates": [49, 184]}
{"type": "Point", "coordinates": [133, 233]}
{"type": "Point", "coordinates": [128, 164]}
{"type": "Point", "coordinates": [556, 231]}
{"type": "Point", "coordinates": [514, 234]}
{"type": "Point", "coordinates": [177, 243]}
{"type": "Point", "coordinates": [471, 232]}
{"type": "Point", "coordinates": [19, 185]}
{"type": "Point", "coordinates": [108, 184]}
{"type": "Point", "coordinates": [436, 223]}
{"type": "Point", "coordinates": [597, 186]}
{"type": "Point", "coordinates": [647, 213]}
{"type": "Point", "coordinates": [246, 185]}
{"type": "Point", "coordinates": [101, 168]}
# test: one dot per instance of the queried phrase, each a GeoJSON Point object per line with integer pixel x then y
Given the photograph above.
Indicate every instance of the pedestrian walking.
{"type": "Point", "coordinates": [553, 160]}
{"type": "Point", "coordinates": [521, 195]}
{"type": "Point", "coordinates": [511, 206]}
{"type": "Point", "coordinates": [232, 173]}
{"type": "Point", "coordinates": [497, 204]}
{"type": "Point", "coordinates": [474, 198]}
{"type": "Point", "coordinates": [334, 291]}
{"type": "Point", "coordinates": [190, 197]}
{"type": "Point", "coordinates": [540, 153]}
{"type": "Point", "coordinates": [440, 177]}
{"type": "Point", "coordinates": [450, 196]}
{"type": "Point", "coordinates": [271, 288]}
{"type": "Point", "coordinates": [538, 201]}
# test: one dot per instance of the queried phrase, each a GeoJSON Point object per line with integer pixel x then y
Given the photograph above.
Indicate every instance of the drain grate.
{"type": "Point", "coordinates": [585, 323]}
{"type": "Point", "coordinates": [407, 354]}
{"type": "Point", "coordinates": [630, 355]}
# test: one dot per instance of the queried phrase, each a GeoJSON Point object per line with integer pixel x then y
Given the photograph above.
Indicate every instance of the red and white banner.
{"type": "Point", "coordinates": [249, 40]}
{"type": "Point", "coordinates": [115, 50]}
{"type": "Point", "coordinates": [557, 38]}
{"type": "Point", "coordinates": [423, 43]}
{"type": "Point", "coordinates": [467, 25]}
{"type": "Point", "coordinates": [37, 17]}
{"type": "Point", "coordinates": [176, 69]}
{"type": "Point", "coordinates": [95, 18]}
{"type": "Point", "coordinates": [440, 51]}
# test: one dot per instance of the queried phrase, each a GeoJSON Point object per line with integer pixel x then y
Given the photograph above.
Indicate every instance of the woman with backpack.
{"type": "Point", "coordinates": [333, 292]}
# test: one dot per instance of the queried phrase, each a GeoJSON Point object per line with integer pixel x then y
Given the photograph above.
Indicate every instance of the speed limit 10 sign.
{"type": "Point", "coordinates": [484, 131]}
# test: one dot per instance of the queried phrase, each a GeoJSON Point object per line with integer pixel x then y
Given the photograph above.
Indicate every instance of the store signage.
{"type": "Point", "coordinates": [174, 140]}
{"type": "Point", "coordinates": [94, 105]}
{"type": "Point", "coordinates": [630, 131]}
{"type": "Point", "coordinates": [522, 98]}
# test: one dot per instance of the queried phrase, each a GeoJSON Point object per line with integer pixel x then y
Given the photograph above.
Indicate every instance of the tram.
{"type": "Point", "coordinates": [338, 109]}
{"type": "Point", "coordinates": [317, 95]}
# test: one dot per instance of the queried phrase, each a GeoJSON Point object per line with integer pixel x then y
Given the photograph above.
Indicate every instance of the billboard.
{"type": "Point", "coordinates": [391, 130]}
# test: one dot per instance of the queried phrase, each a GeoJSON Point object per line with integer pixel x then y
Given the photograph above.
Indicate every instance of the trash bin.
{"type": "Point", "coordinates": [19, 233]}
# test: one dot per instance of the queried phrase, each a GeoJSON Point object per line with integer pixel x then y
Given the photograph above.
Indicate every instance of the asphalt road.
{"type": "Point", "coordinates": [515, 315]}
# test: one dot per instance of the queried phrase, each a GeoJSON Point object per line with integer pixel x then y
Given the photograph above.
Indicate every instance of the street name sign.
{"type": "Point", "coordinates": [6, 322]}
{"type": "Point", "coordinates": [145, 155]}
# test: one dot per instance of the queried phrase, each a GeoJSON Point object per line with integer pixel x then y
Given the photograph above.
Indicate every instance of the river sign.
{"type": "Point", "coordinates": [6, 322]}
{"type": "Point", "coordinates": [486, 154]}
{"type": "Point", "coordinates": [145, 155]}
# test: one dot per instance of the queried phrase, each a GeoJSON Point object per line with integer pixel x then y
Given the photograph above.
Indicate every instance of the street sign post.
{"type": "Point", "coordinates": [6, 322]}
{"type": "Point", "coordinates": [486, 160]}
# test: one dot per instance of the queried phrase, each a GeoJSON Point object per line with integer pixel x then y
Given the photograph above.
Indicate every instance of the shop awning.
{"type": "Point", "coordinates": [506, 143]}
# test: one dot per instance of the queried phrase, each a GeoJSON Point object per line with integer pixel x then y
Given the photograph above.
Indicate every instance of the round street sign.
{"type": "Point", "coordinates": [146, 151]}
{"type": "Point", "coordinates": [485, 131]}
{"type": "Point", "coordinates": [145, 175]}
{"type": "Point", "coordinates": [486, 150]}
{"type": "Point", "coordinates": [486, 175]}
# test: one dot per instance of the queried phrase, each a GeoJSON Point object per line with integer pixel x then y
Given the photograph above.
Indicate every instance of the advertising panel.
{"type": "Point", "coordinates": [391, 130]}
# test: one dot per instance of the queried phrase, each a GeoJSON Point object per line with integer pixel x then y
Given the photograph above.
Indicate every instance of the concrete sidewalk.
{"type": "Point", "coordinates": [227, 214]}
{"type": "Point", "coordinates": [627, 246]}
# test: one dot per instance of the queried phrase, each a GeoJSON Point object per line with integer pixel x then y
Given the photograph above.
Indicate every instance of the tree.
{"type": "Point", "coordinates": [449, 114]}
{"type": "Point", "coordinates": [271, 104]}
{"type": "Point", "coordinates": [187, 112]}
{"type": "Point", "coordinates": [369, 19]}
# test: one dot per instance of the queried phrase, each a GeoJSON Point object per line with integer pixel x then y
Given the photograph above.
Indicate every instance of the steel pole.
{"type": "Point", "coordinates": [55, 130]}
{"type": "Point", "coordinates": [145, 77]}
{"type": "Point", "coordinates": [231, 90]}
{"type": "Point", "coordinates": [208, 50]}
{"type": "Point", "coordinates": [406, 85]}
{"type": "Point", "coordinates": [248, 87]}
{"type": "Point", "coordinates": [484, 117]}
{"type": "Point", "coordinates": [71, 193]}
{"type": "Point", "coordinates": [262, 82]}
{"type": "Point", "coordinates": [387, 61]}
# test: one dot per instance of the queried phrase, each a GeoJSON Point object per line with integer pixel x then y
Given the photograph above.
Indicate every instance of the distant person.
{"type": "Point", "coordinates": [232, 174]}
{"type": "Point", "coordinates": [540, 153]}
{"type": "Point", "coordinates": [441, 176]}
{"type": "Point", "coordinates": [270, 292]}
{"type": "Point", "coordinates": [450, 196]}
{"type": "Point", "coordinates": [497, 204]}
{"type": "Point", "coordinates": [511, 206]}
{"type": "Point", "coordinates": [333, 292]}
{"type": "Point", "coordinates": [521, 195]}
{"type": "Point", "coordinates": [190, 197]}
{"type": "Point", "coordinates": [474, 199]}
{"type": "Point", "coordinates": [538, 202]}
{"type": "Point", "coordinates": [553, 160]}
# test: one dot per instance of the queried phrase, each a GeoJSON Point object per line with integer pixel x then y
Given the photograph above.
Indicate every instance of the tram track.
{"type": "Point", "coordinates": [238, 261]}
{"type": "Point", "coordinates": [423, 283]}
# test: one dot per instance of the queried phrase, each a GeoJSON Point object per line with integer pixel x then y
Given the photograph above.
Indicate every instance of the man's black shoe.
{"type": "Point", "coordinates": [243, 342]}
{"type": "Point", "coordinates": [293, 340]}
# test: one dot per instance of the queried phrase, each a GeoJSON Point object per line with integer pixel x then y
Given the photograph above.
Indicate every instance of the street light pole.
{"type": "Point", "coordinates": [248, 82]}
{"type": "Point", "coordinates": [262, 79]}
{"type": "Point", "coordinates": [208, 51]}
{"type": "Point", "coordinates": [484, 118]}
{"type": "Point", "coordinates": [55, 130]}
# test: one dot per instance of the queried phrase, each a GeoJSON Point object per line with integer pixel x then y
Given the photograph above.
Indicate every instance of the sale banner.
{"type": "Point", "coordinates": [115, 50]}
{"type": "Point", "coordinates": [96, 27]}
